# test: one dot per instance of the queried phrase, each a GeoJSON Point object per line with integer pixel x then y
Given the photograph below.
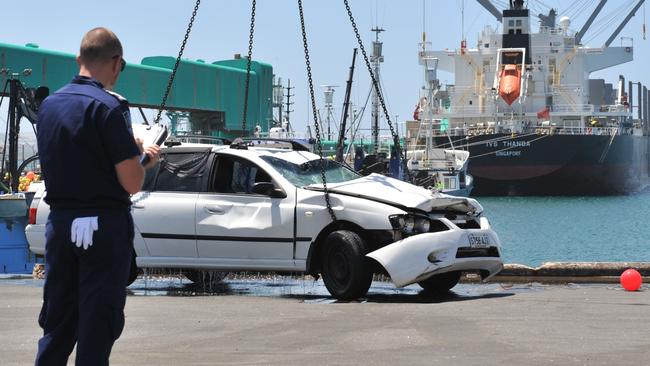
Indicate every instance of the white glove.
{"type": "Point", "coordinates": [82, 229]}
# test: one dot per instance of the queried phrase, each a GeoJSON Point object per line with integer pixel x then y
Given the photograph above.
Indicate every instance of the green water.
{"type": "Point", "coordinates": [541, 229]}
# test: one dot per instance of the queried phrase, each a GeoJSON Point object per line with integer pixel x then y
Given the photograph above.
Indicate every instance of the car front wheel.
{"type": "Point", "coordinates": [345, 268]}
{"type": "Point", "coordinates": [441, 283]}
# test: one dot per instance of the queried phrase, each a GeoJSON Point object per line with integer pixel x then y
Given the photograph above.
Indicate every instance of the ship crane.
{"type": "Point", "coordinates": [623, 24]}
{"type": "Point", "coordinates": [589, 21]}
{"type": "Point", "coordinates": [487, 4]}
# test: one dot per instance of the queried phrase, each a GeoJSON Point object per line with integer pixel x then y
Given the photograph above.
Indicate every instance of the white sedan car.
{"type": "Point", "coordinates": [251, 208]}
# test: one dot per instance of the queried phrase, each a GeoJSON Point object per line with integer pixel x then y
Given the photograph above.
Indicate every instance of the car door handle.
{"type": "Point", "coordinates": [137, 205]}
{"type": "Point", "coordinates": [214, 209]}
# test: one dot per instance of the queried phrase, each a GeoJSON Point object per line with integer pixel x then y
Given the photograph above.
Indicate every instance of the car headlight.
{"type": "Point", "coordinates": [410, 224]}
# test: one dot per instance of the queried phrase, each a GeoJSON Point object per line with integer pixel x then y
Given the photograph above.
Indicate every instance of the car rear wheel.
{"type": "Point", "coordinates": [205, 278]}
{"type": "Point", "coordinates": [345, 268]}
{"type": "Point", "coordinates": [441, 283]}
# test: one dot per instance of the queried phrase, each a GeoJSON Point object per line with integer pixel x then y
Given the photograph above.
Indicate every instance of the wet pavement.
{"type": "Point", "coordinates": [308, 290]}
{"type": "Point", "coordinates": [291, 320]}
{"type": "Point", "coordinates": [303, 288]}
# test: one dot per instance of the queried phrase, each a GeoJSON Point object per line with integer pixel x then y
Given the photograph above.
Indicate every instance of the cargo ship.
{"type": "Point", "coordinates": [534, 122]}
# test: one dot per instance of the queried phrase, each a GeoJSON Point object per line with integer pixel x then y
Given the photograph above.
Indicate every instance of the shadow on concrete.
{"type": "Point", "coordinates": [401, 298]}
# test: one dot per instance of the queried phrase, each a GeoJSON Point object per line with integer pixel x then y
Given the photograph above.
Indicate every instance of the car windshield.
{"type": "Point", "coordinates": [307, 173]}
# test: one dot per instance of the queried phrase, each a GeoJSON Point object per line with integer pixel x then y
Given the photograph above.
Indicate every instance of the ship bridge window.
{"type": "Point", "coordinates": [518, 23]}
{"type": "Point", "coordinates": [511, 23]}
{"type": "Point", "coordinates": [450, 183]}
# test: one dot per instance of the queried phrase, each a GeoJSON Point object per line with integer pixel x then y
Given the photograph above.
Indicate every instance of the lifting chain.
{"type": "Point", "coordinates": [319, 146]}
{"type": "Point", "coordinates": [375, 84]}
{"type": "Point", "coordinates": [178, 61]}
{"type": "Point", "coordinates": [248, 70]}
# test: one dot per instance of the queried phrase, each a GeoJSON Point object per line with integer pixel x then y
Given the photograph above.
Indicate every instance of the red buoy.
{"type": "Point", "coordinates": [631, 280]}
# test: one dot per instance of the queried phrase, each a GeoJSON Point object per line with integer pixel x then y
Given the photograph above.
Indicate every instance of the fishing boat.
{"type": "Point", "coordinates": [445, 169]}
{"type": "Point", "coordinates": [533, 121]}
{"type": "Point", "coordinates": [441, 169]}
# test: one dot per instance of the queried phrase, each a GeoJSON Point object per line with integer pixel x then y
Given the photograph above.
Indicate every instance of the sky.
{"type": "Point", "coordinates": [152, 28]}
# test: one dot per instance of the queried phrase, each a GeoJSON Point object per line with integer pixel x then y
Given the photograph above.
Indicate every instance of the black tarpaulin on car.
{"type": "Point", "coordinates": [186, 165]}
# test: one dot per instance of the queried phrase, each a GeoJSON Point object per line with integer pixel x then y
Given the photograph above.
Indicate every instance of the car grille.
{"type": "Point", "coordinates": [467, 252]}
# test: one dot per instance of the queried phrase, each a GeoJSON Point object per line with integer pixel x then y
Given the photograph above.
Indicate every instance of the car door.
{"type": "Point", "coordinates": [165, 214]}
{"type": "Point", "coordinates": [237, 228]}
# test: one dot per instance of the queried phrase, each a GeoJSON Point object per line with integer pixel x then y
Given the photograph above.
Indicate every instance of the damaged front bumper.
{"type": "Point", "coordinates": [421, 256]}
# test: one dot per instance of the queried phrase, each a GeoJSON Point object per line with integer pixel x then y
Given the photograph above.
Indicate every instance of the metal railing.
{"type": "Point", "coordinates": [573, 108]}
{"type": "Point", "coordinates": [525, 128]}
{"type": "Point", "coordinates": [201, 139]}
{"type": "Point", "coordinates": [556, 30]}
{"type": "Point", "coordinates": [562, 130]}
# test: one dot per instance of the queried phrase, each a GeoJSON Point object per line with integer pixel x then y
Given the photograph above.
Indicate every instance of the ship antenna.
{"type": "Point", "coordinates": [424, 23]}
{"type": "Point", "coordinates": [462, 21]}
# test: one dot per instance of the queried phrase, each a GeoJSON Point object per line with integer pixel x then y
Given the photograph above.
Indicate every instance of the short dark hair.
{"type": "Point", "coordinates": [99, 45]}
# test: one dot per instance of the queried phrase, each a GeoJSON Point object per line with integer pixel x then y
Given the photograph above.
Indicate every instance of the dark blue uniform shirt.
{"type": "Point", "coordinates": [83, 131]}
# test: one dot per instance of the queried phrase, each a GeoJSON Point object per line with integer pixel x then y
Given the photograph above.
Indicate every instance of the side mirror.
{"type": "Point", "coordinates": [268, 189]}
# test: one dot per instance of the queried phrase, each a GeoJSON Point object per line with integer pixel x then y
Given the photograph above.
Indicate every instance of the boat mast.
{"type": "Point", "coordinates": [376, 60]}
{"type": "Point", "coordinates": [288, 106]}
{"type": "Point", "coordinates": [329, 107]}
{"type": "Point", "coordinates": [278, 100]}
{"type": "Point", "coordinates": [346, 106]}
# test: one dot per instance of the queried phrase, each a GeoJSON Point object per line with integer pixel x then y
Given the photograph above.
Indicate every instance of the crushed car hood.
{"type": "Point", "coordinates": [395, 192]}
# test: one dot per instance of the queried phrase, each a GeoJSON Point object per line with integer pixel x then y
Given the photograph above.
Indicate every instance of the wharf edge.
{"type": "Point", "coordinates": [548, 272]}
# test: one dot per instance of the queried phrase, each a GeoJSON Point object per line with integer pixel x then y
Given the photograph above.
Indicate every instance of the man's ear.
{"type": "Point", "coordinates": [79, 61]}
{"type": "Point", "coordinates": [117, 64]}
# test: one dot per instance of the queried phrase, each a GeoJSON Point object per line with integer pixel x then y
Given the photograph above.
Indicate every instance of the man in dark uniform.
{"type": "Point", "coordinates": [91, 163]}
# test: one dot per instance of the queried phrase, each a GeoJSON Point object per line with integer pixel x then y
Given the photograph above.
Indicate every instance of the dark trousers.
{"type": "Point", "coordinates": [85, 290]}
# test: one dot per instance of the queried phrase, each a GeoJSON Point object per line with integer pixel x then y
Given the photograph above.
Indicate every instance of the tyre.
{"type": "Point", "coordinates": [205, 278]}
{"type": "Point", "coordinates": [345, 268]}
{"type": "Point", "coordinates": [441, 283]}
{"type": "Point", "coordinates": [134, 270]}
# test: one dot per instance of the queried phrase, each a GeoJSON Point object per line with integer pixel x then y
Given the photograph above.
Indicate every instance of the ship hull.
{"type": "Point", "coordinates": [556, 165]}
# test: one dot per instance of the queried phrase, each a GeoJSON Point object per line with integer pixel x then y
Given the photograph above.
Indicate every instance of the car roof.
{"type": "Point", "coordinates": [292, 156]}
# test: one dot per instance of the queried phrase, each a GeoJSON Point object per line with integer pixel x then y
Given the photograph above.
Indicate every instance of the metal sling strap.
{"type": "Point", "coordinates": [248, 70]}
{"type": "Point", "coordinates": [319, 146]}
{"type": "Point", "coordinates": [178, 61]}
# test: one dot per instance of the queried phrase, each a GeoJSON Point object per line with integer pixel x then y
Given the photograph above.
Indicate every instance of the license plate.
{"type": "Point", "coordinates": [478, 240]}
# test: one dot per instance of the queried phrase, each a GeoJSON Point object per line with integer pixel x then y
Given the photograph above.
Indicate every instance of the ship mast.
{"type": "Point", "coordinates": [376, 60]}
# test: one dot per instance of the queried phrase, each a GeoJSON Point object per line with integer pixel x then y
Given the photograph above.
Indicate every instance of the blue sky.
{"type": "Point", "coordinates": [149, 28]}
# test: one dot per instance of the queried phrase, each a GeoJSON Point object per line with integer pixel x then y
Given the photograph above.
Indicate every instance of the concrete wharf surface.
{"type": "Point", "coordinates": [295, 322]}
